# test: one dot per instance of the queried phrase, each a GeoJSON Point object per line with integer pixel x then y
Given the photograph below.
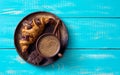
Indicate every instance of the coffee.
{"type": "Point", "coordinates": [49, 45]}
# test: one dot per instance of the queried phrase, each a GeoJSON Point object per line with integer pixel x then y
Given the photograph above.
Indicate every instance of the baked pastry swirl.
{"type": "Point", "coordinates": [31, 30]}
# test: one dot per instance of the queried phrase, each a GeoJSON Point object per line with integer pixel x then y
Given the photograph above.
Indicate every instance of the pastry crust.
{"type": "Point", "coordinates": [31, 34]}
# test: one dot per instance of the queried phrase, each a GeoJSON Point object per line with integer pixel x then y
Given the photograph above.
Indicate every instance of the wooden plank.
{"type": "Point", "coordinates": [63, 8]}
{"type": "Point", "coordinates": [74, 62]}
{"type": "Point", "coordinates": [83, 32]}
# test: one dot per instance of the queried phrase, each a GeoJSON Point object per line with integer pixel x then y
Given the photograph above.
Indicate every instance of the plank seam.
{"type": "Point", "coordinates": [91, 17]}
{"type": "Point", "coordinates": [76, 48]}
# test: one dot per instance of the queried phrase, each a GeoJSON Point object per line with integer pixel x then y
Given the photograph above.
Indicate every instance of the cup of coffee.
{"type": "Point", "coordinates": [48, 45]}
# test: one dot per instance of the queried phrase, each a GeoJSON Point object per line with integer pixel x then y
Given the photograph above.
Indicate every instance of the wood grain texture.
{"type": "Point", "coordinates": [74, 62]}
{"type": "Point", "coordinates": [63, 8]}
{"type": "Point", "coordinates": [90, 23]}
{"type": "Point", "coordinates": [83, 32]}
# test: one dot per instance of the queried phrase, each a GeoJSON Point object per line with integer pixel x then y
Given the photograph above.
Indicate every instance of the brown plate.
{"type": "Point", "coordinates": [32, 55]}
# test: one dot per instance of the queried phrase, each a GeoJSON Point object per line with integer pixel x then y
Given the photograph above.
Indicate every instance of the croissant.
{"type": "Point", "coordinates": [31, 31]}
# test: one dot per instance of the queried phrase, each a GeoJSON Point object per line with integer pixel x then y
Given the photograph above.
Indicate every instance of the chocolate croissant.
{"type": "Point", "coordinates": [31, 31]}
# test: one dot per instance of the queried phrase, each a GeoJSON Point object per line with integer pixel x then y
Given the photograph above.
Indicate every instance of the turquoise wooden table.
{"type": "Point", "coordinates": [94, 37]}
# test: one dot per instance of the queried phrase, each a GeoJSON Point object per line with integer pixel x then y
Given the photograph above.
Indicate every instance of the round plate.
{"type": "Point", "coordinates": [32, 53]}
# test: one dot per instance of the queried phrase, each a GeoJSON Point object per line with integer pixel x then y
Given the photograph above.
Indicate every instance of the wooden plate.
{"type": "Point", "coordinates": [32, 52]}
